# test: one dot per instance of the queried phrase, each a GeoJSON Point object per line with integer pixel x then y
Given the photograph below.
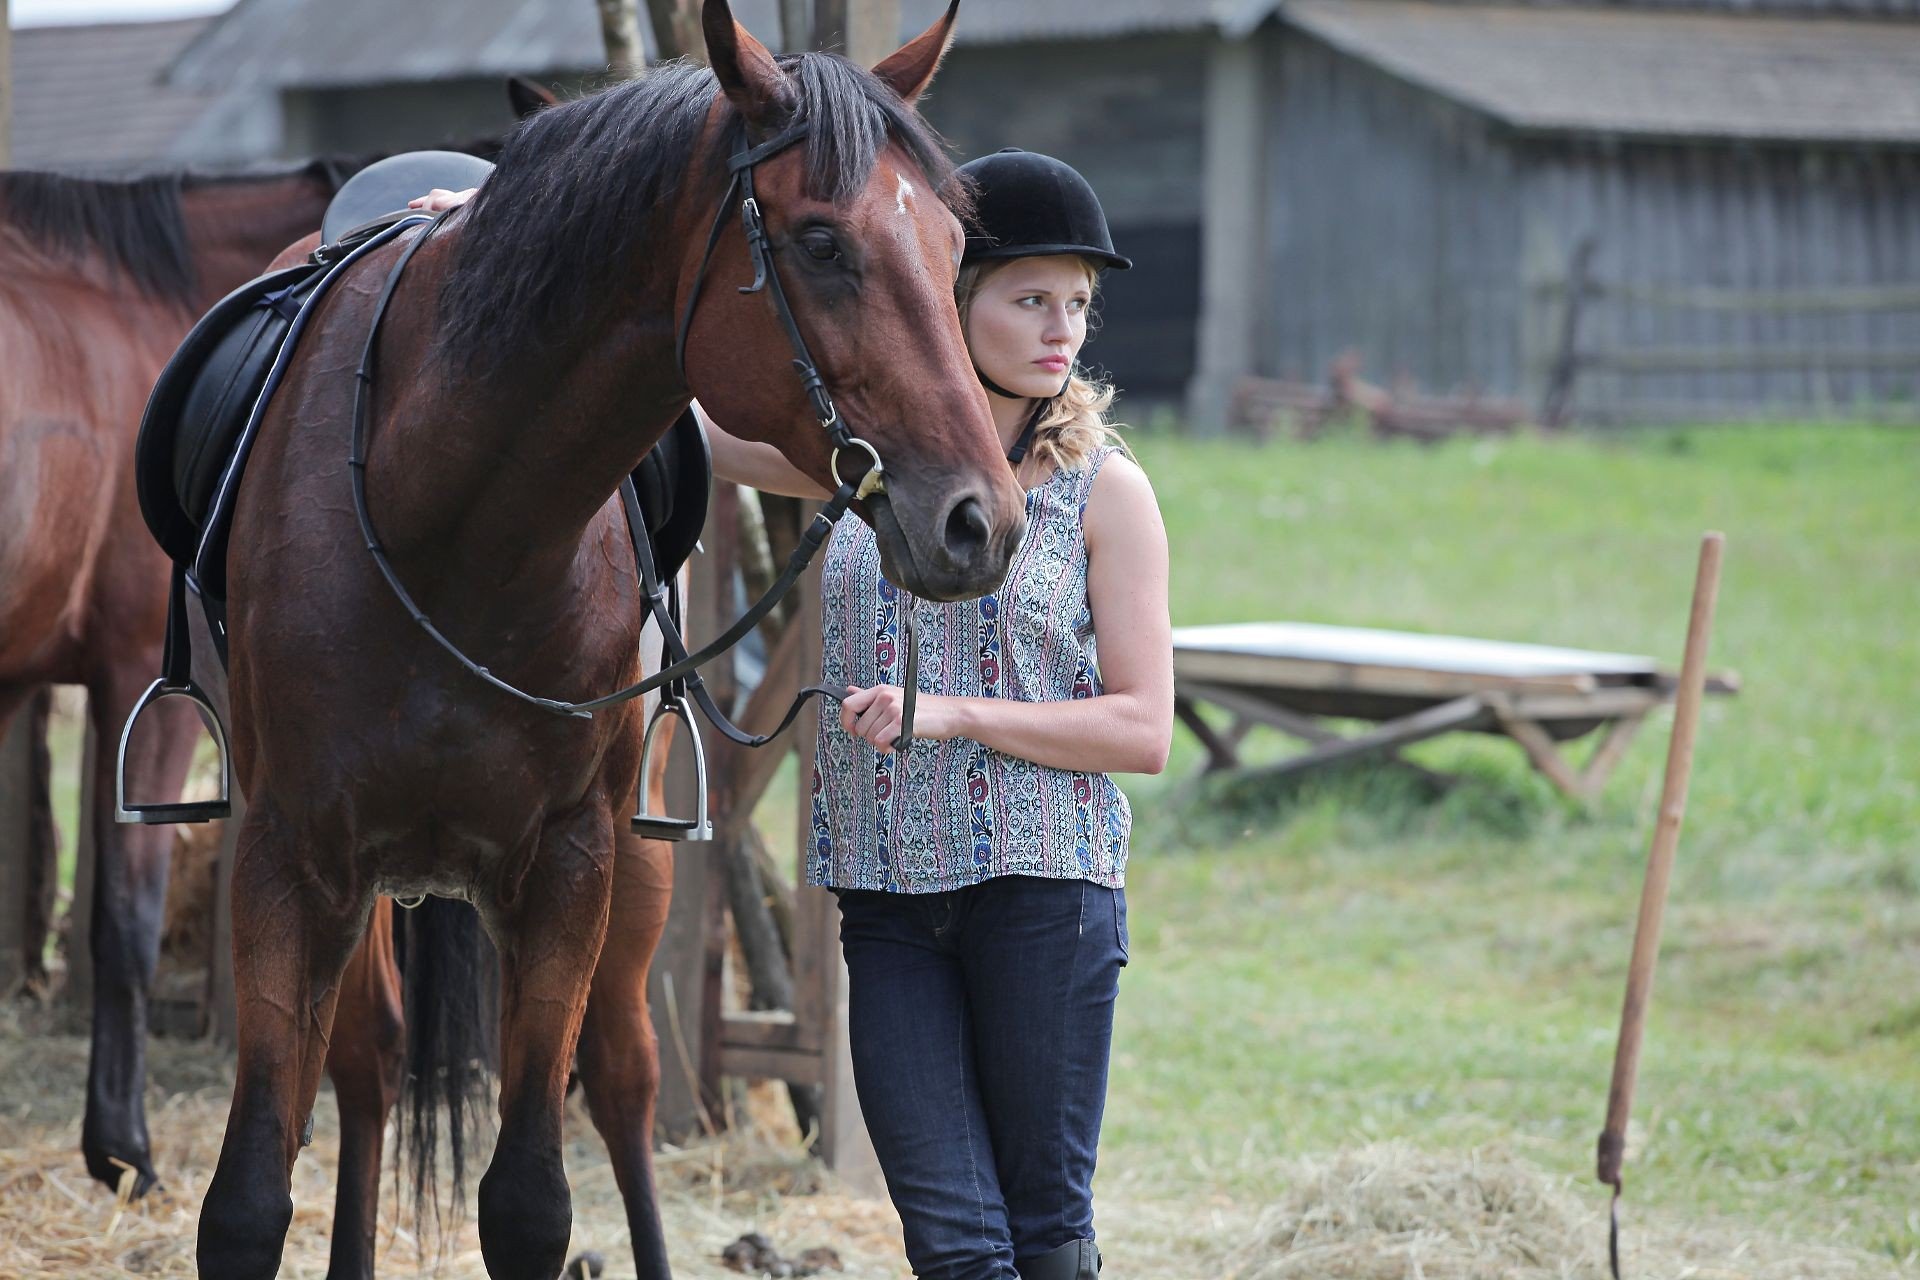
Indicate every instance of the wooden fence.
{"type": "Point", "coordinates": [1826, 369]}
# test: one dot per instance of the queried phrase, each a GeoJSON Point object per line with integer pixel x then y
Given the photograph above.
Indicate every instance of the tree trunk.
{"type": "Point", "coordinates": [676, 29]}
{"type": "Point", "coordinates": [620, 33]}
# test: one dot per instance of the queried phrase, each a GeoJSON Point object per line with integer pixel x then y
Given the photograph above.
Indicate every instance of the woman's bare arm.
{"type": "Point", "coordinates": [1129, 726]}
{"type": "Point", "coordinates": [758, 466]}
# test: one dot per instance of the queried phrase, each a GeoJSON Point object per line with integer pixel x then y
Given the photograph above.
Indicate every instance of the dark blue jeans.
{"type": "Point", "coordinates": [980, 1022]}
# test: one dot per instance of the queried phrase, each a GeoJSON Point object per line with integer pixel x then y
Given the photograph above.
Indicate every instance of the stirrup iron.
{"type": "Point", "coordinates": [660, 826]}
{"type": "Point", "coordinates": [184, 811]}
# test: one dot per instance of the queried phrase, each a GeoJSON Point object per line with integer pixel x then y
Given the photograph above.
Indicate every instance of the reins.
{"type": "Point", "coordinates": [681, 675]}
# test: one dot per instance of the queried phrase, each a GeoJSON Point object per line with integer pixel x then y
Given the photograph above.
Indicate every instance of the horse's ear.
{"type": "Point", "coordinates": [528, 96]}
{"type": "Point", "coordinates": [751, 79]}
{"type": "Point", "coordinates": [909, 70]}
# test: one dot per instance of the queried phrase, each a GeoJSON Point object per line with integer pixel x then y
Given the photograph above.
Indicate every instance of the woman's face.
{"type": "Point", "coordinates": [1028, 321]}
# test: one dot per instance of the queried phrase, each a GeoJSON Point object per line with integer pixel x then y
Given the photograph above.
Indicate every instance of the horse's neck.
{"type": "Point", "coordinates": [236, 228]}
{"type": "Point", "coordinates": [501, 470]}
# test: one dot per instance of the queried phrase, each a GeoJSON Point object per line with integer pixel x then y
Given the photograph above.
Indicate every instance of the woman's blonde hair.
{"type": "Point", "coordinates": [1074, 423]}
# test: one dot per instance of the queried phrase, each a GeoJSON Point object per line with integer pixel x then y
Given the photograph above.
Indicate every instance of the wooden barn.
{"type": "Point", "coordinates": [1681, 209]}
{"type": "Point", "coordinates": [1661, 212]}
{"type": "Point", "coordinates": [1119, 89]}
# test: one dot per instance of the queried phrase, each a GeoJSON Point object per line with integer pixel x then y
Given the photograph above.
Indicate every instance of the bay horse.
{"type": "Point", "coordinates": [528, 364]}
{"type": "Point", "coordinates": [99, 281]}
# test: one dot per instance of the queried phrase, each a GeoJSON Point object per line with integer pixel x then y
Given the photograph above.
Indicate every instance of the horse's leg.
{"type": "Point", "coordinates": [129, 906]}
{"type": "Point", "coordinates": [549, 933]}
{"type": "Point", "coordinates": [365, 1062]}
{"type": "Point", "coordinates": [43, 844]}
{"type": "Point", "coordinates": [619, 1058]}
{"type": "Point", "coordinates": [292, 935]}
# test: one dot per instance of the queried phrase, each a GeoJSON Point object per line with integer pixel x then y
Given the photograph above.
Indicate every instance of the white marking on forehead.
{"type": "Point", "coordinates": [901, 195]}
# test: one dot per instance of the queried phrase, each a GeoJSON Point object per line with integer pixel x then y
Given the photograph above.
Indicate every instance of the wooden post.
{"type": "Point", "coordinates": [820, 970]}
{"type": "Point", "coordinates": [1232, 217]}
{"type": "Point", "coordinates": [677, 986]}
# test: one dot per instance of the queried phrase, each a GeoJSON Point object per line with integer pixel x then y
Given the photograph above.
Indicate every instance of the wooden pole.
{"type": "Point", "coordinates": [1653, 894]}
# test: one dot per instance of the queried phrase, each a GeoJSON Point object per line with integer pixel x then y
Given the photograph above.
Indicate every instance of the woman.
{"type": "Point", "coordinates": [980, 876]}
{"type": "Point", "coordinates": [980, 872]}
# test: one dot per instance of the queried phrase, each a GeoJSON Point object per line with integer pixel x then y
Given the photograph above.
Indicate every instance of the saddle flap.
{"type": "Point", "coordinates": [674, 483]}
{"type": "Point", "coordinates": [201, 401]}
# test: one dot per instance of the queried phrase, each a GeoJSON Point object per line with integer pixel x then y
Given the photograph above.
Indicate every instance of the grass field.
{"type": "Point", "coordinates": [1351, 964]}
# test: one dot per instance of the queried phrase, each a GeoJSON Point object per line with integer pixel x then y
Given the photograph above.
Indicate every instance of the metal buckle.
{"type": "Point", "coordinates": [660, 826]}
{"type": "Point", "coordinates": [189, 811]}
{"type": "Point", "coordinates": [874, 481]}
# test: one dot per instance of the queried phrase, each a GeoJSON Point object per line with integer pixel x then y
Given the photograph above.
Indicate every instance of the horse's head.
{"type": "Point", "coordinates": [867, 251]}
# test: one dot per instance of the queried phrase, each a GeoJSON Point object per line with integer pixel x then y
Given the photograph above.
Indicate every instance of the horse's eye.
{"type": "Point", "coordinates": [820, 247]}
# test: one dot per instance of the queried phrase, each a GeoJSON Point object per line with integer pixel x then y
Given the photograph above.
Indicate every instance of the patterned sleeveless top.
{"type": "Point", "coordinates": [951, 814]}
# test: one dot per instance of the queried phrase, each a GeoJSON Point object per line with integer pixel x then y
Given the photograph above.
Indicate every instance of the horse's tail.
{"type": "Point", "coordinates": [450, 980]}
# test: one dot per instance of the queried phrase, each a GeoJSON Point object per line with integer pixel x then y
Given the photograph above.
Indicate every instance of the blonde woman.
{"type": "Point", "coordinates": [980, 873]}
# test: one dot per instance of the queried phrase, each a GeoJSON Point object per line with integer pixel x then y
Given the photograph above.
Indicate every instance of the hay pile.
{"type": "Point", "coordinates": [1390, 1212]}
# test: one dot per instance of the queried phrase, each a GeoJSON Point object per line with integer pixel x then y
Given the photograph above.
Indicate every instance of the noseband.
{"type": "Point", "coordinates": [679, 676]}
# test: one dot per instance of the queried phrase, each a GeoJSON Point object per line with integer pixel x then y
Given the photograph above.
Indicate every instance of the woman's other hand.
{"type": "Point", "coordinates": [440, 199]}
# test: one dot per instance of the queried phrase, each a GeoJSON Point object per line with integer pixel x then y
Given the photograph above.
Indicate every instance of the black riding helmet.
{"type": "Point", "coordinates": [1028, 205]}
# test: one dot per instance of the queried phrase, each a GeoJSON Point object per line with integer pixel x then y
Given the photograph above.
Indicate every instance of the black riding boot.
{"type": "Point", "coordinates": [1074, 1260]}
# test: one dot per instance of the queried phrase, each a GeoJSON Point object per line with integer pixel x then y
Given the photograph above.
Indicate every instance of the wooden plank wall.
{"type": "Point", "coordinates": [1391, 229]}
{"type": "Point", "coordinates": [1431, 240]}
{"type": "Point", "coordinates": [1736, 217]}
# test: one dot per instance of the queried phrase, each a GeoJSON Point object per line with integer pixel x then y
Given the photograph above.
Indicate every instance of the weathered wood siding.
{"type": "Point", "coordinates": [1431, 240]}
{"type": "Point", "coordinates": [1740, 218]}
{"type": "Point", "coordinates": [1392, 229]}
{"type": "Point", "coordinates": [1129, 115]}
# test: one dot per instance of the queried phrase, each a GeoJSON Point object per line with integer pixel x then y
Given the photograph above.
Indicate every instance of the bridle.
{"type": "Point", "coordinates": [679, 677]}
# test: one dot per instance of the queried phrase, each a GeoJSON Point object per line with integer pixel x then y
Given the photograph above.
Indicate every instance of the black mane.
{"type": "Point", "coordinates": [581, 185]}
{"type": "Point", "coordinates": [135, 226]}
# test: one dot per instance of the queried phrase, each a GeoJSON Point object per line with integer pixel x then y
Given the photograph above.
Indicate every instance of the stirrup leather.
{"type": "Point", "coordinates": [660, 826]}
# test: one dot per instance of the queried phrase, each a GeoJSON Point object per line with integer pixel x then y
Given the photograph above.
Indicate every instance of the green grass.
{"type": "Point", "coordinates": [1354, 961]}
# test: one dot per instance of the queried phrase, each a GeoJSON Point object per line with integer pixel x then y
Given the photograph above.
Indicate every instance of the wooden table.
{"type": "Point", "coordinates": [1297, 676]}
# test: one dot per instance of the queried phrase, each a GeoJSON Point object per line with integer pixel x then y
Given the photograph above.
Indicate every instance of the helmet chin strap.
{"type": "Point", "coordinates": [1018, 453]}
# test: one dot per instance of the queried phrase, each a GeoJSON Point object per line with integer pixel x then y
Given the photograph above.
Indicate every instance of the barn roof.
{"type": "Point", "coordinates": [1641, 72]}
{"type": "Point", "coordinates": [88, 98]}
{"type": "Point", "coordinates": [316, 43]}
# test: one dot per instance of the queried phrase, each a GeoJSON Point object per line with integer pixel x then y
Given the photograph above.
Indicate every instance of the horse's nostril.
{"type": "Point", "coordinates": [967, 530]}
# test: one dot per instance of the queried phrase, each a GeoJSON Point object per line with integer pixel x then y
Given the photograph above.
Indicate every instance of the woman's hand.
{"type": "Point", "coordinates": [875, 714]}
{"type": "Point", "coordinates": [440, 199]}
